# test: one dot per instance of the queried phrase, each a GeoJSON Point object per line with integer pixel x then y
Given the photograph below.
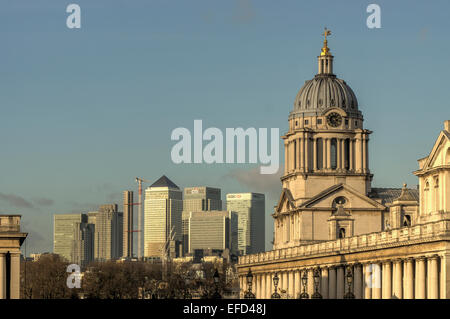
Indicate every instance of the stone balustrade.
{"type": "Point", "coordinates": [391, 238]}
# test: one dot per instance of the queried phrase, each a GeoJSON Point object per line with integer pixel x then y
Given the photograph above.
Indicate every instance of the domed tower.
{"type": "Point", "coordinates": [326, 143]}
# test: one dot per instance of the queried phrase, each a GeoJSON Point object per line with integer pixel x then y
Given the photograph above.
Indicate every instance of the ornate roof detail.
{"type": "Point", "coordinates": [406, 195]}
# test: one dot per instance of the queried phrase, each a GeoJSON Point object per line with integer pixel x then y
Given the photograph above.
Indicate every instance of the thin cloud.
{"type": "Point", "coordinates": [15, 200]}
{"type": "Point", "coordinates": [44, 201]}
{"type": "Point", "coordinates": [268, 184]}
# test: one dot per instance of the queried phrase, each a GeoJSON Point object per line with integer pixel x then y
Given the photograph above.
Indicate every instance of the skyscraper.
{"type": "Point", "coordinates": [198, 199]}
{"type": "Point", "coordinates": [83, 243]}
{"type": "Point", "coordinates": [108, 233]}
{"type": "Point", "coordinates": [128, 223]}
{"type": "Point", "coordinates": [216, 230]}
{"type": "Point", "coordinates": [73, 238]}
{"type": "Point", "coordinates": [201, 198]}
{"type": "Point", "coordinates": [64, 226]}
{"type": "Point", "coordinates": [162, 216]}
{"type": "Point", "coordinates": [250, 208]}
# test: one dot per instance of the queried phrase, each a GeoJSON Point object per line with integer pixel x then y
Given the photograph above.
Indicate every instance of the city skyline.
{"type": "Point", "coordinates": [148, 74]}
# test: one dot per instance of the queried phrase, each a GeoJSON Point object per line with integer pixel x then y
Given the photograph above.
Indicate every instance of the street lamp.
{"type": "Point", "coordinates": [304, 294]}
{"type": "Point", "coordinates": [249, 294]}
{"type": "Point", "coordinates": [316, 294]}
{"type": "Point", "coordinates": [349, 276]}
{"type": "Point", "coordinates": [216, 294]}
{"type": "Point", "coordinates": [275, 294]}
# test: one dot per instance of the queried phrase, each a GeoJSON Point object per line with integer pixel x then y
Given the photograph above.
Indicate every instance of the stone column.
{"type": "Point", "coordinates": [350, 158]}
{"type": "Point", "coordinates": [286, 157]}
{"type": "Point", "coordinates": [332, 282]}
{"type": "Point", "coordinates": [15, 276]}
{"type": "Point", "coordinates": [297, 284]}
{"type": "Point", "coordinates": [2, 276]}
{"type": "Point", "coordinates": [408, 291]}
{"type": "Point", "coordinates": [292, 155]}
{"type": "Point", "coordinates": [364, 153]}
{"type": "Point", "coordinates": [315, 154]}
{"type": "Point", "coordinates": [358, 154]}
{"type": "Point", "coordinates": [420, 278]}
{"type": "Point", "coordinates": [257, 281]}
{"type": "Point", "coordinates": [357, 281]}
{"type": "Point", "coordinates": [376, 281]}
{"type": "Point", "coordinates": [291, 284]}
{"type": "Point", "coordinates": [367, 281]}
{"type": "Point", "coordinates": [433, 274]}
{"type": "Point", "coordinates": [340, 282]}
{"type": "Point", "coordinates": [324, 153]}
{"type": "Point", "coordinates": [307, 152]}
{"type": "Point", "coordinates": [324, 282]}
{"type": "Point", "coordinates": [310, 290]}
{"type": "Point", "coordinates": [262, 294]}
{"type": "Point", "coordinates": [301, 153]}
{"type": "Point", "coordinates": [398, 279]}
{"type": "Point", "coordinates": [284, 282]}
{"type": "Point", "coordinates": [387, 280]}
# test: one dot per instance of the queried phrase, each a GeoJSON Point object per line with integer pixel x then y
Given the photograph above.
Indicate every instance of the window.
{"type": "Point", "coordinates": [319, 152]}
{"type": "Point", "coordinates": [306, 122]}
{"type": "Point", "coordinates": [333, 154]}
{"type": "Point", "coordinates": [347, 154]}
{"type": "Point", "coordinates": [296, 123]}
{"type": "Point", "coordinates": [319, 121]}
{"type": "Point", "coordinates": [436, 182]}
{"type": "Point", "coordinates": [341, 232]}
{"type": "Point", "coordinates": [407, 221]}
{"type": "Point", "coordinates": [346, 122]}
{"type": "Point", "coordinates": [340, 200]}
{"type": "Point", "coordinates": [356, 123]}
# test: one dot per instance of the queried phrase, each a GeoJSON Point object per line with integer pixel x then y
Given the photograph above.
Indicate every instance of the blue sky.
{"type": "Point", "coordinates": [82, 112]}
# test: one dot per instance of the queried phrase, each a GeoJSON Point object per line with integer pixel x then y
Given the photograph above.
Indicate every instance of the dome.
{"type": "Point", "coordinates": [325, 91]}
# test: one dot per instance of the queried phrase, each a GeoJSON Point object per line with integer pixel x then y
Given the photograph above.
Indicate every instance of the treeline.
{"type": "Point", "coordinates": [47, 279]}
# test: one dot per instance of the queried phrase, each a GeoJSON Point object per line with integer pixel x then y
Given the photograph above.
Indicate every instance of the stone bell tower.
{"type": "Point", "coordinates": [326, 143]}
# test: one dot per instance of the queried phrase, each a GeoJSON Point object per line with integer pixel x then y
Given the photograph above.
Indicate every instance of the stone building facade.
{"type": "Point", "coordinates": [395, 243]}
{"type": "Point", "coordinates": [11, 238]}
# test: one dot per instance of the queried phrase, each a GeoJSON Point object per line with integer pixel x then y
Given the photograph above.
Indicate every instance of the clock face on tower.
{"type": "Point", "coordinates": [334, 119]}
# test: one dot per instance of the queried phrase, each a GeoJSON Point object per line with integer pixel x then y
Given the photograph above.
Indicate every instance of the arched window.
{"type": "Point", "coordinates": [347, 154]}
{"type": "Point", "coordinates": [339, 200]}
{"type": "Point", "coordinates": [319, 152]}
{"type": "Point", "coordinates": [341, 232]}
{"type": "Point", "coordinates": [333, 154]}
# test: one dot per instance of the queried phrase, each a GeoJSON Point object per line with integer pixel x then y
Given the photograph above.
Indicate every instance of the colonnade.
{"type": "Point", "coordinates": [407, 278]}
{"type": "Point", "coordinates": [302, 154]}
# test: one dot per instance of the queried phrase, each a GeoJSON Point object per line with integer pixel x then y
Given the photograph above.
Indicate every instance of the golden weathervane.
{"type": "Point", "coordinates": [325, 50]}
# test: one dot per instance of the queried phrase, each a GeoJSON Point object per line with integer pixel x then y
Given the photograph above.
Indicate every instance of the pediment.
{"type": "Point", "coordinates": [354, 199]}
{"type": "Point", "coordinates": [439, 153]}
{"type": "Point", "coordinates": [286, 201]}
